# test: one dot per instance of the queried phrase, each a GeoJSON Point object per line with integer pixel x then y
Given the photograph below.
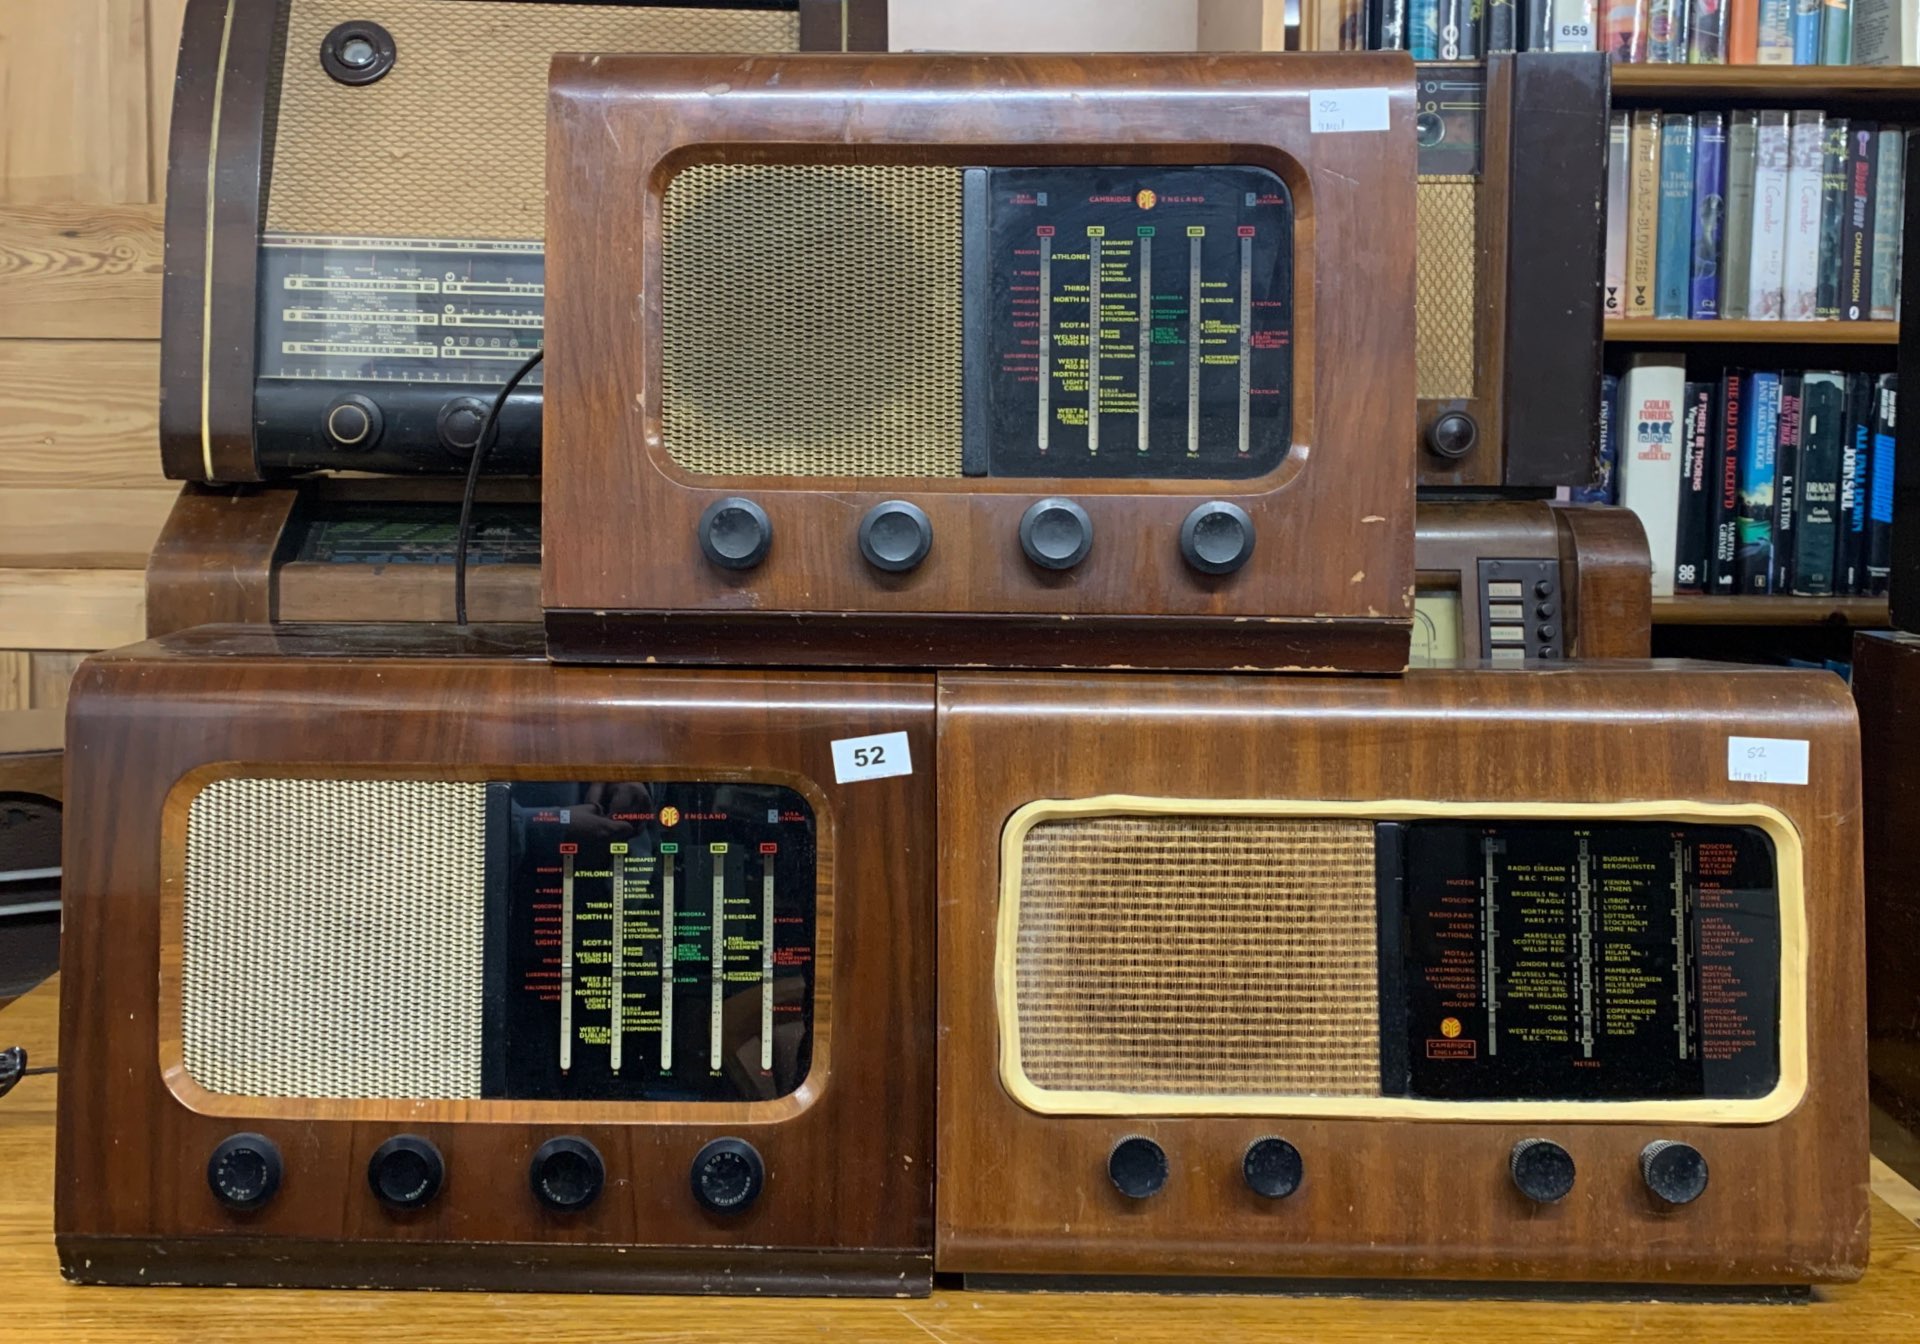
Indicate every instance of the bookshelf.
{"type": "Point", "coordinates": [1867, 613]}
{"type": "Point", "coordinates": [1655, 330]}
{"type": "Point", "coordinates": [1840, 86]}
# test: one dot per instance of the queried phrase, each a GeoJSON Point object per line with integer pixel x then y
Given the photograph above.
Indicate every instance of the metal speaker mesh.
{"type": "Point", "coordinates": [1199, 956]}
{"type": "Point", "coordinates": [811, 320]}
{"type": "Point", "coordinates": [332, 938]}
{"type": "Point", "coordinates": [452, 143]}
{"type": "Point", "coordinates": [1444, 317]}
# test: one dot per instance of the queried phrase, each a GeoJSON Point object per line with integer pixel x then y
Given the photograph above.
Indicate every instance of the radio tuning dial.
{"type": "Point", "coordinates": [895, 536]}
{"type": "Point", "coordinates": [1675, 1173]}
{"type": "Point", "coordinates": [406, 1172]}
{"type": "Point", "coordinates": [567, 1174]}
{"type": "Point", "coordinates": [1453, 435]}
{"type": "Point", "coordinates": [1056, 534]}
{"type": "Point", "coordinates": [244, 1171]}
{"type": "Point", "coordinates": [735, 533]}
{"type": "Point", "coordinates": [1272, 1168]}
{"type": "Point", "coordinates": [1217, 537]}
{"type": "Point", "coordinates": [1137, 1167]}
{"type": "Point", "coordinates": [353, 421]}
{"type": "Point", "coordinates": [727, 1175]}
{"type": "Point", "coordinates": [1542, 1170]}
{"type": "Point", "coordinates": [459, 424]}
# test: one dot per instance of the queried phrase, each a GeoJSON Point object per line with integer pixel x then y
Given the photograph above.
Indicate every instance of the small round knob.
{"type": "Point", "coordinates": [1137, 1167]}
{"type": "Point", "coordinates": [358, 52]}
{"type": "Point", "coordinates": [735, 533]}
{"type": "Point", "coordinates": [406, 1171]}
{"type": "Point", "coordinates": [244, 1171]}
{"type": "Point", "coordinates": [1543, 588]}
{"type": "Point", "coordinates": [1542, 1170]}
{"type": "Point", "coordinates": [1676, 1173]}
{"type": "Point", "coordinates": [895, 536]}
{"type": "Point", "coordinates": [567, 1174]}
{"type": "Point", "coordinates": [1548, 632]}
{"type": "Point", "coordinates": [459, 424]}
{"type": "Point", "coordinates": [1453, 435]}
{"type": "Point", "coordinates": [353, 421]}
{"type": "Point", "coordinates": [727, 1175]}
{"type": "Point", "coordinates": [1217, 537]}
{"type": "Point", "coordinates": [1056, 534]}
{"type": "Point", "coordinates": [1272, 1168]}
{"type": "Point", "coordinates": [1544, 610]}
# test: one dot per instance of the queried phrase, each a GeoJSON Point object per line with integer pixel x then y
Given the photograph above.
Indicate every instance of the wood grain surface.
{"type": "Point", "coordinates": [80, 271]}
{"type": "Point", "coordinates": [40, 1306]}
{"type": "Point", "coordinates": [1886, 685]}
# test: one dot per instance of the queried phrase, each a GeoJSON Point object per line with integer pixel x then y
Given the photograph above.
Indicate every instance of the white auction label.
{"type": "Point", "coordinates": [880, 756]}
{"type": "Point", "coordinates": [1767, 760]}
{"type": "Point", "coordinates": [1348, 110]}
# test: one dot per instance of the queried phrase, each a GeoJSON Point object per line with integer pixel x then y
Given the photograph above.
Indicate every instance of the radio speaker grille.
{"type": "Point", "coordinates": [453, 142]}
{"type": "Point", "coordinates": [811, 320]}
{"type": "Point", "coordinates": [1197, 956]}
{"type": "Point", "coordinates": [332, 938]}
{"type": "Point", "coordinates": [1444, 316]}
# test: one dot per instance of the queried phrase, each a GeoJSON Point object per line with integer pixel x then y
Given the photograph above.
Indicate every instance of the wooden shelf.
{"type": "Point", "coordinates": [1653, 330]}
{"type": "Point", "coordinates": [1873, 84]}
{"type": "Point", "coordinates": [1864, 612]}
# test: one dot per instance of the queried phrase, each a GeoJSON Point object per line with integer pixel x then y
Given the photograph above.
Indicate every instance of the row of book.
{"type": "Point", "coordinates": [1758, 214]}
{"type": "Point", "coordinates": [1756, 481]}
{"type": "Point", "coordinates": [1702, 32]}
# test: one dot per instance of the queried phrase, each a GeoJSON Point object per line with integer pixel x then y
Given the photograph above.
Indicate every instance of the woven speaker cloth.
{"type": "Point", "coordinates": [1445, 299]}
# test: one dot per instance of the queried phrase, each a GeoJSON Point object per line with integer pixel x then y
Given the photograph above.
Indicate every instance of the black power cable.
{"type": "Point", "coordinates": [488, 429]}
{"type": "Point", "coordinates": [13, 1067]}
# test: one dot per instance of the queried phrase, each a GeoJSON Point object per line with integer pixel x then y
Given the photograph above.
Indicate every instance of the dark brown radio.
{"type": "Point", "coordinates": [401, 958]}
{"type": "Point", "coordinates": [917, 360]}
{"type": "Point", "coordinates": [354, 217]}
{"type": "Point", "coordinates": [1470, 974]}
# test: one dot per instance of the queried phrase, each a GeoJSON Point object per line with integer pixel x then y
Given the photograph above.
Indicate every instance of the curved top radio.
{"type": "Point", "coordinates": [981, 359]}
{"type": "Point", "coordinates": [355, 261]}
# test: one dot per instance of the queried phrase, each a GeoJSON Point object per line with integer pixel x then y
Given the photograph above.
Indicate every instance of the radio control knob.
{"type": "Point", "coordinates": [727, 1175]}
{"type": "Point", "coordinates": [735, 533]}
{"type": "Point", "coordinates": [1452, 435]}
{"type": "Point", "coordinates": [895, 536]}
{"type": "Point", "coordinates": [406, 1172]}
{"type": "Point", "coordinates": [1056, 534]}
{"type": "Point", "coordinates": [1676, 1173]}
{"type": "Point", "coordinates": [459, 424]}
{"type": "Point", "coordinates": [1542, 1170]}
{"type": "Point", "coordinates": [353, 421]}
{"type": "Point", "coordinates": [1272, 1168]}
{"type": "Point", "coordinates": [567, 1174]}
{"type": "Point", "coordinates": [244, 1171]}
{"type": "Point", "coordinates": [1217, 537]}
{"type": "Point", "coordinates": [1138, 1167]}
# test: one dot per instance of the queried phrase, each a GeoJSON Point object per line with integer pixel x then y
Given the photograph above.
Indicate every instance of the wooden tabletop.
{"type": "Point", "coordinates": [36, 1304]}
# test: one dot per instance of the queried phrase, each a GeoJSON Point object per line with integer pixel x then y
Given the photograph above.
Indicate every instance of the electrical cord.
{"type": "Point", "coordinates": [488, 430]}
{"type": "Point", "coordinates": [13, 1067]}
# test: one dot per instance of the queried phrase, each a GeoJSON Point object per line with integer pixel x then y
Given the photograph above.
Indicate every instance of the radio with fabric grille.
{"type": "Point", "coordinates": [355, 260]}
{"type": "Point", "coordinates": [919, 360]}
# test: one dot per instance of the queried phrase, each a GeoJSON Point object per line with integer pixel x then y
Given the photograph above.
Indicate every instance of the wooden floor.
{"type": "Point", "coordinates": [35, 1304]}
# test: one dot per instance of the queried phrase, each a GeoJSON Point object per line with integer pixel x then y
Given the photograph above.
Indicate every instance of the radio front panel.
{"type": "Point", "coordinates": [1439, 977]}
{"type": "Point", "coordinates": [989, 362]}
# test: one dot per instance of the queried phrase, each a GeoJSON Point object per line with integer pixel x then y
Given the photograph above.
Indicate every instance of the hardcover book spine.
{"type": "Point", "coordinates": [1806, 150]}
{"type": "Point", "coordinates": [1786, 483]}
{"type": "Point", "coordinates": [1737, 231]}
{"type": "Point", "coordinates": [1836, 32]}
{"type": "Point", "coordinates": [1651, 395]}
{"type": "Point", "coordinates": [1833, 217]}
{"type": "Point", "coordinates": [1423, 29]}
{"type": "Point", "coordinates": [1604, 487]}
{"type": "Point", "coordinates": [1388, 25]}
{"type": "Point", "coordinates": [1666, 38]}
{"type": "Point", "coordinates": [1767, 265]}
{"type": "Point", "coordinates": [1619, 207]}
{"type": "Point", "coordinates": [1889, 209]}
{"type": "Point", "coordinates": [1754, 565]}
{"type": "Point", "coordinates": [1503, 26]}
{"type": "Point", "coordinates": [1743, 32]}
{"type": "Point", "coordinates": [1574, 26]}
{"type": "Point", "coordinates": [1879, 543]}
{"type": "Point", "coordinates": [1855, 477]}
{"type": "Point", "coordinates": [1883, 32]}
{"type": "Point", "coordinates": [1776, 32]}
{"type": "Point", "coordinates": [1452, 36]}
{"type": "Point", "coordinates": [1709, 212]}
{"type": "Point", "coordinates": [1707, 32]}
{"type": "Point", "coordinates": [1536, 21]}
{"type": "Point", "coordinates": [1729, 424]}
{"type": "Point", "coordinates": [1806, 32]}
{"type": "Point", "coordinates": [1643, 226]}
{"type": "Point", "coordinates": [1692, 544]}
{"type": "Point", "coordinates": [1625, 23]}
{"type": "Point", "coordinates": [1815, 527]}
{"type": "Point", "coordinates": [1673, 267]}
{"type": "Point", "coordinates": [1856, 234]}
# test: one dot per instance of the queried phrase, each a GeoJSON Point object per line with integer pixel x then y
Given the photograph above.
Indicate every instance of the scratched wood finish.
{"type": "Point", "coordinates": [214, 560]}
{"type": "Point", "coordinates": [848, 1203]}
{"type": "Point", "coordinates": [1334, 547]}
{"type": "Point", "coordinates": [1886, 686]}
{"type": "Point", "coordinates": [1023, 1193]}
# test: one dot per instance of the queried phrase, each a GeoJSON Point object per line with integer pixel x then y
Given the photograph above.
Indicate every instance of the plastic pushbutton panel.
{"type": "Point", "coordinates": [1522, 611]}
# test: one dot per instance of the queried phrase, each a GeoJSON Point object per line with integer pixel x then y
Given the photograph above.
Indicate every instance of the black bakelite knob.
{"type": "Point", "coordinates": [1676, 1173]}
{"type": "Point", "coordinates": [459, 424]}
{"type": "Point", "coordinates": [406, 1171]}
{"type": "Point", "coordinates": [727, 1175]}
{"type": "Point", "coordinates": [1137, 1167]}
{"type": "Point", "coordinates": [1272, 1168]}
{"type": "Point", "coordinates": [735, 533]}
{"type": "Point", "coordinates": [1056, 534]}
{"type": "Point", "coordinates": [895, 536]}
{"type": "Point", "coordinates": [353, 421]}
{"type": "Point", "coordinates": [567, 1174]}
{"type": "Point", "coordinates": [1542, 1170]}
{"type": "Point", "coordinates": [1217, 537]}
{"type": "Point", "coordinates": [244, 1171]}
{"type": "Point", "coordinates": [1453, 435]}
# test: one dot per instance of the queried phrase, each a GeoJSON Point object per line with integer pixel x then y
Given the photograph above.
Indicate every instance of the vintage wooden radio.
{"type": "Point", "coordinates": [395, 958]}
{"type": "Point", "coordinates": [1019, 360]}
{"type": "Point", "coordinates": [354, 217]}
{"type": "Point", "coordinates": [1471, 974]}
